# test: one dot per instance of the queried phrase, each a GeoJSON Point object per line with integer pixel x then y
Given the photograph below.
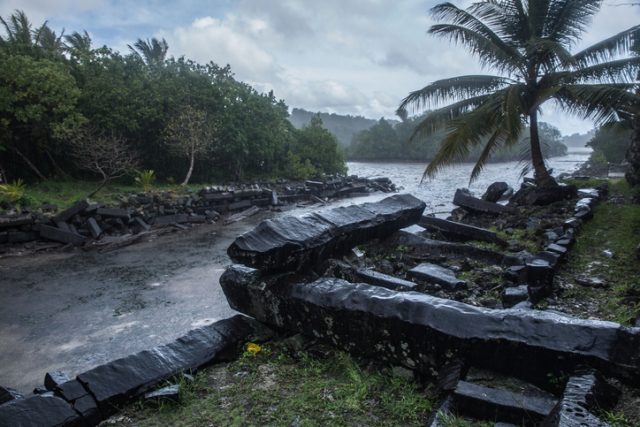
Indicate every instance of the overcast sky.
{"type": "Point", "coordinates": [358, 57]}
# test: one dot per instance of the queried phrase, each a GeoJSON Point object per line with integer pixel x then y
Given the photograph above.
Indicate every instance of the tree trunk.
{"type": "Point", "coordinates": [94, 192]}
{"type": "Point", "coordinates": [541, 174]}
{"type": "Point", "coordinates": [633, 155]}
{"type": "Point", "coordinates": [31, 165]}
{"type": "Point", "coordinates": [191, 161]}
{"type": "Point", "coordinates": [56, 166]}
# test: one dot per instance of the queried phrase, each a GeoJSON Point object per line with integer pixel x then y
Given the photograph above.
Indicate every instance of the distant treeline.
{"type": "Point", "coordinates": [343, 127]}
{"type": "Point", "coordinates": [61, 97]}
{"type": "Point", "coordinates": [386, 141]}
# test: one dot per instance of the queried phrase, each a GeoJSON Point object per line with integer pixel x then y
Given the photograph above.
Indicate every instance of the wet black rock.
{"type": "Point", "coordinates": [495, 191]}
{"type": "Point", "coordinates": [460, 231]}
{"type": "Point", "coordinates": [527, 196]}
{"type": "Point", "coordinates": [72, 211]}
{"type": "Point", "coordinates": [58, 235]}
{"type": "Point", "coordinates": [585, 391]}
{"type": "Point", "coordinates": [291, 243]}
{"type": "Point", "coordinates": [373, 277]}
{"type": "Point", "coordinates": [118, 381]}
{"type": "Point", "coordinates": [464, 199]}
{"type": "Point", "coordinates": [450, 374]}
{"type": "Point", "coordinates": [433, 273]}
{"type": "Point", "coordinates": [41, 411]}
{"type": "Point", "coordinates": [8, 394]}
{"type": "Point", "coordinates": [55, 379]}
{"type": "Point", "coordinates": [74, 393]}
{"type": "Point", "coordinates": [418, 330]}
{"type": "Point", "coordinates": [488, 403]}
{"type": "Point", "coordinates": [515, 295]}
{"type": "Point", "coordinates": [435, 248]}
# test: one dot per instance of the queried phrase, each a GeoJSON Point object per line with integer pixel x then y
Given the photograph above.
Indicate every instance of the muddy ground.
{"type": "Point", "coordinates": [71, 311]}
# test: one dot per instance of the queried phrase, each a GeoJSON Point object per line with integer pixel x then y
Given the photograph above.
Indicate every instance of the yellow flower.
{"type": "Point", "coordinates": [253, 348]}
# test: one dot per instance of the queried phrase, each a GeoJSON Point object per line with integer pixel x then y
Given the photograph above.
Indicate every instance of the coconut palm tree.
{"type": "Point", "coordinates": [18, 33]}
{"type": "Point", "coordinates": [528, 43]}
{"type": "Point", "coordinates": [152, 51]}
{"type": "Point", "coordinates": [78, 45]}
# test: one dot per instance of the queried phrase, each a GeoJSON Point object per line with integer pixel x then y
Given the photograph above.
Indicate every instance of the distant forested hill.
{"type": "Point", "coordinates": [343, 127]}
{"type": "Point", "coordinates": [578, 140]}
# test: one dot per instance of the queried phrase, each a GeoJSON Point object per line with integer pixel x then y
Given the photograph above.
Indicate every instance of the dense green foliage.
{"type": "Point", "coordinates": [529, 45]}
{"type": "Point", "coordinates": [53, 87]}
{"type": "Point", "coordinates": [343, 127]}
{"type": "Point", "coordinates": [611, 143]}
{"type": "Point", "coordinates": [385, 141]}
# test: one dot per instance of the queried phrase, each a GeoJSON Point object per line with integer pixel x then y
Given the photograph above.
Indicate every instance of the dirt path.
{"type": "Point", "coordinates": [72, 311]}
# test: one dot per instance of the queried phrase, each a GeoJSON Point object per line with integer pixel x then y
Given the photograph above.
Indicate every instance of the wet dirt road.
{"type": "Point", "coordinates": [73, 311]}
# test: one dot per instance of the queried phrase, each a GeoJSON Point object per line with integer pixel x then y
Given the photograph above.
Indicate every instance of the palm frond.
{"type": "Point", "coordinates": [438, 119]}
{"type": "Point", "coordinates": [621, 70]}
{"type": "Point", "coordinates": [494, 143]}
{"type": "Point", "coordinates": [489, 54]}
{"type": "Point", "coordinates": [567, 19]}
{"type": "Point", "coordinates": [601, 103]}
{"type": "Point", "coordinates": [610, 48]}
{"type": "Point", "coordinates": [550, 54]}
{"type": "Point", "coordinates": [452, 89]}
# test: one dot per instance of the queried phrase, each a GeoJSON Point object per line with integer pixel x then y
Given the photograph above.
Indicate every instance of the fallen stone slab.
{"type": "Point", "coordinates": [39, 411]}
{"type": "Point", "coordinates": [434, 248]}
{"type": "Point", "coordinates": [54, 379]}
{"type": "Point", "coordinates": [494, 404]}
{"type": "Point", "coordinates": [12, 222]}
{"type": "Point", "coordinates": [418, 330]}
{"type": "Point", "coordinates": [459, 230]}
{"type": "Point", "coordinates": [291, 243]}
{"type": "Point", "coordinates": [113, 213]}
{"type": "Point", "coordinates": [119, 381]}
{"type": "Point", "coordinates": [58, 235]}
{"type": "Point", "coordinates": [434, 273]}
{"type": "Point", "coordinates": [464, 199]}
{"type": "Point", "coordinates": [74, 393]}
{"type": "Point", "coordinates": [71, 212]}
{"type": "Point", "coordinates": [515, 295]}
{"type": "Point", "coordinates": [584, 391]}
{"type": "Point", "coordinates": [141, 223]}
{"type": "Point", "coordinates": [217, 197]}
{"type": "Point", "coordinates": [21, 236]}
{"type": "Point", "coordinates": [373, 277]}
{"type": "Point", "coordinates": [242, 204]}
{"type": "Point", "coordinates": [94, 228]}
{"type": "Point", "coordinates": [242, 215]}
{"type": "Point", "coordinates": [8, 394]}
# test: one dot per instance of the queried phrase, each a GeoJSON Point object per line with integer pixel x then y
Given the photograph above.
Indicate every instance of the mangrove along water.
{"type": "Point", "coordinates": [75, 310]}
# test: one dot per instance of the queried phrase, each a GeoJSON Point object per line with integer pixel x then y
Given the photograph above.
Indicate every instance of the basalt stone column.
{"type": "Point", "coordinates": [422, 332]}
{"type": "Point", "coordinates": [291, 243]}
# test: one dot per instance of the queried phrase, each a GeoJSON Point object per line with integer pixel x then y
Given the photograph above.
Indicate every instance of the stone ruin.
{"type": "Point", "coordinates": [515, 366]}
{"type": "Point", "coordinates": [292, 273]}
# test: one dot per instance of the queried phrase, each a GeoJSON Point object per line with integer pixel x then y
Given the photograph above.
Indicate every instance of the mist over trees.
{"type": "Point", "coordinates": [343, 127]}
{"type": "Point", "coordinates": [54, 87]}
{"type": "Point", "coordinates": [385, 141]}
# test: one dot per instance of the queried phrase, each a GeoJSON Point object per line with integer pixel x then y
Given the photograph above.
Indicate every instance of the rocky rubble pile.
{"type": "Point", "coordinates": [90, 224]}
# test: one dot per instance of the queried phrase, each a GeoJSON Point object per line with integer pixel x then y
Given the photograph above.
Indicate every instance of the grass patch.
{"type": "Point", "coordinates": [616, 227]}
{"type": "Point", "coordinates": [64, 193]}
{"type": "Point", "coordinates": [275, 389]}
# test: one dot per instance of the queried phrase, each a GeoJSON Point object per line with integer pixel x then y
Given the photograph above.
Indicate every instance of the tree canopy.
{"type": "Point", "coordinates": [54, 87]}
{"type": "Point", "coordinates": [528, 43]}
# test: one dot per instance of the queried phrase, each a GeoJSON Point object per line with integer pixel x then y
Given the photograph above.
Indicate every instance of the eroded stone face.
{"type": "Point", "coordinates": [423, 332]}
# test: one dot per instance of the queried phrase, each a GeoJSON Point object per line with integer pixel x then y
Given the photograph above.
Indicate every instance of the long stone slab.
{"type": "Point", "coordinates": [39, 411]}
{"type": "Point", "coordinates": [118, 381]}
{"type": "Point", "coordinates": [459, 230]}
{"type": "Point", "coordinates": [434, 248]}
{"type": "Point", "coordinates": [503, 405]}
{"type": "Point", "coordinates": [422, 332]}
{"type": "Point", "coordinates": [376, 278]}
{"type": "Point", "coordinates": [291, 243]}
{"type": "Point", "coordinates": [437, 274]}
{"type": "Point", "coordinates": [466, 200]}
{"type": "Point", "coordinates": [73, 210]}
{"type": "Point", "coordinates": [9, 222]}
{"type": "Point", "coordinates": [58, 235]}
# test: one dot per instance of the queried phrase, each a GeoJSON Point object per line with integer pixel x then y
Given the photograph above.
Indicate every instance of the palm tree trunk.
{"type": "Point", "coordinates": [541, 174]}
{"type": "Point", "coordinates": [191, 161]}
